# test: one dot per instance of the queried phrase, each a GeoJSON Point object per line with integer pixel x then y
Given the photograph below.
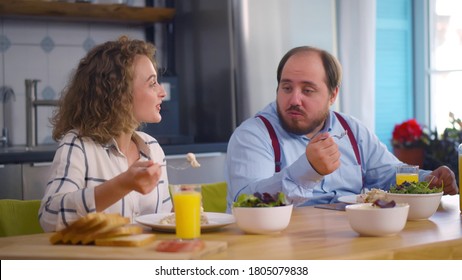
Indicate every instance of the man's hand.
{"type": "Point", "coordinates": [323, 154]}
{"type": "Point", "coordinates": [444, 175]}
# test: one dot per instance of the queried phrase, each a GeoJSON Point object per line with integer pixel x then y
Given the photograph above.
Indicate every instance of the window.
{"type": "Point", "coordinates": [445, 63]}
{"type": "Point", "coordinates": [419, 63]}
{"type": "Point", "coordinates": [394, 66]}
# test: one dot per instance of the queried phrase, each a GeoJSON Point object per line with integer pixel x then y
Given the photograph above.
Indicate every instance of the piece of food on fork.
{"type": "Point", "coordinates": [191, 158]}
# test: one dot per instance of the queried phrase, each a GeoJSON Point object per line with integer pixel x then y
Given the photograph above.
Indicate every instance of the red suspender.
{"type": "Point", "coordinates": [274, 142]}
{"type": "Point", "coordinates": [277, 148]}
{"type": "Point", "coordinates": [353, 142]}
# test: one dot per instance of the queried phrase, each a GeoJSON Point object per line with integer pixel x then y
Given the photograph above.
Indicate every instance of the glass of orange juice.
{"type": "Point", "coordinates": [187, 206]}
{"type": "Point", "coordinates": [407, 173]}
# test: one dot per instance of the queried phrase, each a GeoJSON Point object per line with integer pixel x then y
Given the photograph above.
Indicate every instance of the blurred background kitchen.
{"type": "Point", "coordinates": [401, 60]}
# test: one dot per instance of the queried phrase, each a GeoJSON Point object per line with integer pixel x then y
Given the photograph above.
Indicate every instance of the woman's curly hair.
{"type": "Point", "coordinates": [98, 100]}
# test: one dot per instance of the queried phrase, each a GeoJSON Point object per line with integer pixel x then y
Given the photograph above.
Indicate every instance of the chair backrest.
{"type": "Point", "coordinates": [214, 197]}
{"type": "Point", "coordinates": [19, 217]}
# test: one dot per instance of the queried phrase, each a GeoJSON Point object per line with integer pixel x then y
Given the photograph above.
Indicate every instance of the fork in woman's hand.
{"type": "Point", "coordinates": [191, 161]}
{"type": "Point", "coordinates": [182, 166]}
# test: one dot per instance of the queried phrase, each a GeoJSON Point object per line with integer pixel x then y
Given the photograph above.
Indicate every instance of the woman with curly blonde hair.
{"type": "Point", "coordinates": [103, 164]}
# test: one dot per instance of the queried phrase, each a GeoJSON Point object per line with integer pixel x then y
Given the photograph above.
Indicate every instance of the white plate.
{"type": "Point", "coordinates": [352, 199]}
{"type": "Point", "coordinates": [216, 221]}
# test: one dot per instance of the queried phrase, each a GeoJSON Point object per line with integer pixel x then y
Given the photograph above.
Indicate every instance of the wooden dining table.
{"type": "Point", "coordinates": [313, 233]}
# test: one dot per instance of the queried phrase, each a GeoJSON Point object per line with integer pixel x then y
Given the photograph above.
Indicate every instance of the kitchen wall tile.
{"type": "Point", "coordinates": [2, 83]}
{"type": "Point", "coordinates": [5, 43]}
{"type": "Point", "coordinates": [7, 107]}
{"type": "Point", "coordinates": [24, 62]}
{"type": "Point", "coordinates": [136, 3]}
{"type": "Point", "coordinates": [109, 32]}
{"type": "Point", "coordinates": [2, 70]}
{"type": "Point", "coordinates": [25, 31]}
{"type": "Point", "coordinates": [17, 128]}
{"type": "Point", "coordinates": [44, 128]}
{"type": "Point", "coordinates": [62, 61]}
{"type": "Point", "coordinates": [47, 44]}
{"type": "Point", "coordinates": [68, 33]}
{"type": "Point", "coordinates": [48, 93]}
{"type": "Point", "coordinates": [109, 2]}
{"type": "Point", "coordinates": [51, 61]}
{"type": "Point", "coordinates": [88, 44]}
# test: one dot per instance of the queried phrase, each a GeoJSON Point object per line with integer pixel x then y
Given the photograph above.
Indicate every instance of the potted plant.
{"type": "Point", "coordinates": [409, 142]}
{"type": "Point", "coordinates": [442, 148]}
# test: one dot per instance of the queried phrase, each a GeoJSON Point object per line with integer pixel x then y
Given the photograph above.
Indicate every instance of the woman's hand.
{"type": "Point", "coordinates": [141, 176]}
{"type": "Point", "coordinates": [144, 176]}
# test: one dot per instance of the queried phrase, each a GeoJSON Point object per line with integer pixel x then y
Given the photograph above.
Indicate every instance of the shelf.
{"type": "Point", "coordinates": [87, 12]}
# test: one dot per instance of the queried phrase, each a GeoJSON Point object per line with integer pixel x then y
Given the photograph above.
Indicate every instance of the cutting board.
{"type": "Point", "coordinates": [37, 246]}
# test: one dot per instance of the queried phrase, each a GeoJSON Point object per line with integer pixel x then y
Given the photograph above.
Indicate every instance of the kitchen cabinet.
{"type": "Point", "coordinates": [24, 181]}
{"type": "Point", "coordinates": [86, 12]}
{"type": "Point", "coordinates": [34, 179]}
{"type": "Point", "coordinates": [11, 181]}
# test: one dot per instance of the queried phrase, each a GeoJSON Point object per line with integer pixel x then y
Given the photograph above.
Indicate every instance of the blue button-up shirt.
{"type": "Point", "coordinates": [250, 162]}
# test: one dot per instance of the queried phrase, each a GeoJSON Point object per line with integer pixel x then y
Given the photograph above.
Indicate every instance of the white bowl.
{"type": "Point", "coordinates": [421, 206]}
{"type": "Point", "coordinates": [263, 220]}
{"type": "Point", "coordinates": [368, 220]}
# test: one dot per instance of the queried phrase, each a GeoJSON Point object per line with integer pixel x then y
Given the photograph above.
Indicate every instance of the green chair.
{"type": "Point", "coordinates": [19, 217]}
{"type": "Point", "coordinates": [214, 197]}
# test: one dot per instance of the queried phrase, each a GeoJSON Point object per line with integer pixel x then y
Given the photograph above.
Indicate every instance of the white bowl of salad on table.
{"type": "Point", "coordinates": [423, 199]}
{"type": "Point", "coordinates": [262, 213]}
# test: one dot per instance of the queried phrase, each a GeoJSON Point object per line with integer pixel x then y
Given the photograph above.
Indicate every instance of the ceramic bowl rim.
{"type": "Point", "coordinates": [416, 194]}
{"type": "Point", "coordinates": [360, 207]}
{"type": "Point", "coordinates": [272, 207]}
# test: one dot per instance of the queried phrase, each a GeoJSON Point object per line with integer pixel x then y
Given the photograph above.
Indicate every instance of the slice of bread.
{"type": "Point", "coordinates": [76, 234]}
{"type": "Point", "coordinates": [87, 228]}
{"type": "Point", "coordinates": [121, 231]}
{"type": "Point", "coordinates": [84, 225]}
{"type": "Point", "coordinates": [107, 225]}
{"type": "Point", "coordinates": [56, 238]}
{"type": "Point", "coordinates": [135, 240]}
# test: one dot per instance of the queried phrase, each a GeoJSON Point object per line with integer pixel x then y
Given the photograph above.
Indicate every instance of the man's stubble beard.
{"type": "Point", "coordinates": [307, 129]}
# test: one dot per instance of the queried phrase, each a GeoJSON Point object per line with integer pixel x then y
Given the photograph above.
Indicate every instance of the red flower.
{"type": "Point", "coordinates": [408, 134]}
